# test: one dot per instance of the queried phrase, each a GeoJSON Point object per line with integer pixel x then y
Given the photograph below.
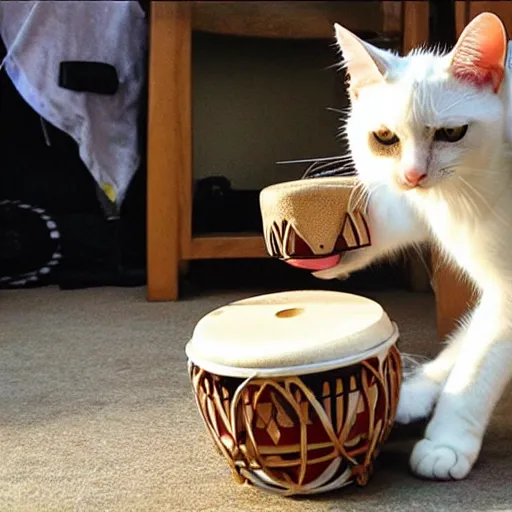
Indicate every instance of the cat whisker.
{"type": "Point", "coordinates": [363, 196]}
{"type": "Point", "coordinates": [483, 200]}
{"type": "Point", "coordinates": [468, 201]}
{"type": "Point", "coordinates": [328, 166]}
{"type": "Point", "coordinates": [325, 170]}
{"type": "Point", "coordinates": [319, 165]}
{"type": "Point", "coordinates": [307, 160]}
{"type": "Point", "coordinates": [338, 110]}
{"type": "Point", "coordinates": [361, 190]}
{"type": "Point", "coordinates": [364, 199]}
{"type": "Point", "coordinates": [490, 177]}
{"type": "Point", "coordinates": [329, 173]}
{"type": "Point", "coordinates": [480, 170]}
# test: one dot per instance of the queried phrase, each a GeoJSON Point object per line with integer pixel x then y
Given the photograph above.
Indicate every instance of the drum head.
{"type": "Point", "coordinates": [275, 333]}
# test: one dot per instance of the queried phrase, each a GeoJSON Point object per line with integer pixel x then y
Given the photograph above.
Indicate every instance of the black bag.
{"type": "Point", "coordinates": [218, 208]}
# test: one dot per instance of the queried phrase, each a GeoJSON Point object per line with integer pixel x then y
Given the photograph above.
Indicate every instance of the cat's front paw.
{"type": "Point", "coordinates": [418, 395]}
{"type": "Point", "coordinates": [437, 460]}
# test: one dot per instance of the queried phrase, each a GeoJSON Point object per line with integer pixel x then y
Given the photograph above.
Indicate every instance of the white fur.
{"type": "Point", "coordinates": [464, 207]}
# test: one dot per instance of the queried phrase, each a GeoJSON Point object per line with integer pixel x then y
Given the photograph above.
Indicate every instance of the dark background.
{"type": "Point", "coordinates": [101, 250]}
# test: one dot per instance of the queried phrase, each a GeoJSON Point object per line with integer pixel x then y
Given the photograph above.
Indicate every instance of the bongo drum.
{"type": "Point", "coordinates": [312, 224]}
{"type": "Point", "coordinates": [298, 389]}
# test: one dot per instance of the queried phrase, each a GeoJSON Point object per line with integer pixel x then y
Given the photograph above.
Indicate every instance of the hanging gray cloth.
{"type": "Point", "coordinates": [39, 35]}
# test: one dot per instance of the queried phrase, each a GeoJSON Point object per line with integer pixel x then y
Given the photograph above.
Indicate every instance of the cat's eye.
{"type": "Point", "coordinates": [386, 137]}
{"type": "Point", "coordinates": [451, 134]}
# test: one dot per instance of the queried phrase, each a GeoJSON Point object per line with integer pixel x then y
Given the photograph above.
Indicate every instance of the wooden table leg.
{"type": "Point", "coordinates": [415, 32]}
{"type": "Point", "coordinates": [169, 142]}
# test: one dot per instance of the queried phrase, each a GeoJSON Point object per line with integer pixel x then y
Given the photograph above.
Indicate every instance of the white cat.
{"type": "Point", "coordinates": [427, 134]}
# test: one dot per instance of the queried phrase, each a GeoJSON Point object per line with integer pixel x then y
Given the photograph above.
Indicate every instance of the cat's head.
{"type": "Point", "coordinates": [421, 122]}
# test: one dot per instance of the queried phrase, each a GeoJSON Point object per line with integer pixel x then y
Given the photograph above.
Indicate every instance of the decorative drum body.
{"type": "Point", "coordinates": [297, 389]}
{"type": "Point", "coordinates": [312, 224]}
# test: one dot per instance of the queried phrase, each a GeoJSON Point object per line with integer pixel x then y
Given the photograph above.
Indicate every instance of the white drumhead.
{"type": "Point", "coordinates": [280, 331]}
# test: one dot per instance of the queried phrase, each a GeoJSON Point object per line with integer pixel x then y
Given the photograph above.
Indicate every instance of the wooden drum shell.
{"type": "Point", "coordinates": [302, 434]}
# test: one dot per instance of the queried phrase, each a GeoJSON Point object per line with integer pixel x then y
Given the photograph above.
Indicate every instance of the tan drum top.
{"type": "Point", "coordinates": [289, 329]}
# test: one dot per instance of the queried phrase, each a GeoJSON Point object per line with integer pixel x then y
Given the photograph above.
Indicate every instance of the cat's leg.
{"type": "Point", "coordinates": [420, 392]}
{"type": "Point", "coordinates": [393, 224]}
{"type": "Point", "coordinates": [483, 368]}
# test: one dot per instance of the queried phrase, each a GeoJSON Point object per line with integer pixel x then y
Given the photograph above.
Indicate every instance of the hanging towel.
{"type": "Point", "coordinates": [39, 35]}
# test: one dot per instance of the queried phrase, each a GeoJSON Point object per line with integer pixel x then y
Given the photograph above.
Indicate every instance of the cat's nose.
{"type": "Point", "coordinates": [414, 176]}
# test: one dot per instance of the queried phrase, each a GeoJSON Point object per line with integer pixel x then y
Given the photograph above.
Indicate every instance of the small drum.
{"type": "Point", "coordinates": [298, 389]}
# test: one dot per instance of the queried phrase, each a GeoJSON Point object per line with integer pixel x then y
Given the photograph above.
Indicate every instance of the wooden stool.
{"type": "Point", "coordinates": [169, 210]}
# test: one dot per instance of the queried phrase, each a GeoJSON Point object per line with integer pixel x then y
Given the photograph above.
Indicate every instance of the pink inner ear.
{"type": "Point", "coordinates": [478, 57]}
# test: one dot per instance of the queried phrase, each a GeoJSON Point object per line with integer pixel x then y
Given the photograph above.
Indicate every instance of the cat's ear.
{"type": "Point", "coordinates": [365, 63]}
{"type": "Point", "coordinates": [478, 57]}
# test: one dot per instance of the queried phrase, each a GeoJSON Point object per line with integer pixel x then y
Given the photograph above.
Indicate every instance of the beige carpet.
{"type": "Point", "coordinates": [96, 414]}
